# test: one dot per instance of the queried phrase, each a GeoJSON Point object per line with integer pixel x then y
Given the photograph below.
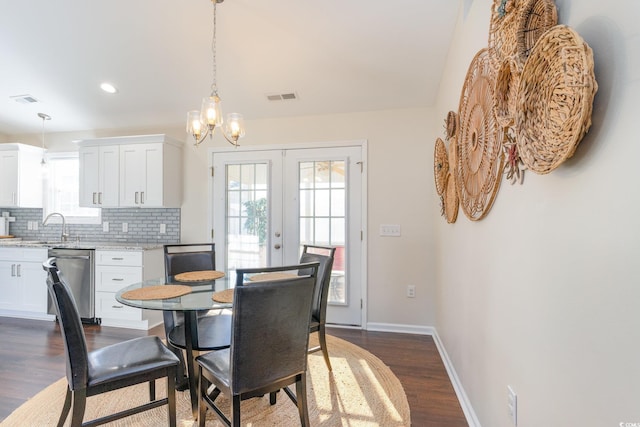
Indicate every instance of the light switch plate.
{"type": "Point", "coordinates": [163, 228]}
{"type": "Point", "coordinates": [390, 230]}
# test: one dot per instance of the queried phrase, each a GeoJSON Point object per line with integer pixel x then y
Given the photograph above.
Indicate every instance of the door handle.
{"type": "Point", "coordinates": [277, 246]}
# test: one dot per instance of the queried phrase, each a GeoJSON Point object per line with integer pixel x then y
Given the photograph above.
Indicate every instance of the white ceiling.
{"type": "Point", "coordinates": [337, 55]}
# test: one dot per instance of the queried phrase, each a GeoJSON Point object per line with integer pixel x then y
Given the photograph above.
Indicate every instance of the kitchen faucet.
{"type": "Point", "coordinates": [63, 234]}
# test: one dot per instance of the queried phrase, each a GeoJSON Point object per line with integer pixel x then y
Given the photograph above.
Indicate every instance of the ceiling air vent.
{"type": "Point", "coordinates": [24, 99]}
{"type": "Point", "coordinates": [288, 96]}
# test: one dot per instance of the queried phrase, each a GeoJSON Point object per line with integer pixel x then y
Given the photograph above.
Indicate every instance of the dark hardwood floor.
{"type": "Point", "coordinates": [31, 358]}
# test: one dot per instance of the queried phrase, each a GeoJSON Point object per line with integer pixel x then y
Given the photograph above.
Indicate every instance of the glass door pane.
{"type": "Point", "coordinates": [321, 219]}
{"type": "Point", "coordinates": [247, 216]}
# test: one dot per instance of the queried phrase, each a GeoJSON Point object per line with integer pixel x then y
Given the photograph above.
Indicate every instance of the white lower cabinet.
{"type": "Point", "coordinates": [116, 269]}
{"type": "Point", "coordinates": [23, 288]}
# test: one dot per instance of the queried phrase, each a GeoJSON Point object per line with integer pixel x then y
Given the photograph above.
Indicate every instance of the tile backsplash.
{"type": "Point", "coordinates": [143, 226]}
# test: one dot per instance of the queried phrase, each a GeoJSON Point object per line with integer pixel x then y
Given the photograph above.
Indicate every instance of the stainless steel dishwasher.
{"type": "Point", "coordinates": [77, 268]}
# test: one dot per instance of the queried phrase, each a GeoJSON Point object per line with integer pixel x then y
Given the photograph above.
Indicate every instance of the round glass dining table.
{"type": "Point", "coordinates": [200, 298]}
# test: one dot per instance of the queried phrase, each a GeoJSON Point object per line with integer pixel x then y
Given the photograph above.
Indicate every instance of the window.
{"type": "Point", "coordinates": [61, 190]}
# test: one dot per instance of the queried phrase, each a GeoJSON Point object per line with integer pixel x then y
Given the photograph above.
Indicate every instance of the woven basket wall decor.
{"type": "Point", "coordinates": [503, 29]}
{"type": "Point", "coordinates": [451, 202]}
{"type": "Point", "coordinates": [451, 124]}
{"type": "Point", "coordinates": [535, 18]}
{"type": "Point", "coordinates": [555, 99]}
{"type": "Point", "coordinates": [507, 81]}
{"type": "Point", "coordinates": [440, 166]}
{"type": "Point", "coordinates": [479, 155]}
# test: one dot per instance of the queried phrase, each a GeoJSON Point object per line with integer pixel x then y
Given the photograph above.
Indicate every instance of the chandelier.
{"type": "Point", "coordinates": [204, 122]}
{"type": "Point", "coordinates": [44, 117]}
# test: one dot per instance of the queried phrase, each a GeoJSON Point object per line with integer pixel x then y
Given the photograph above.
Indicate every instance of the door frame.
{"type": "Point", "coordinates": [362, 144]}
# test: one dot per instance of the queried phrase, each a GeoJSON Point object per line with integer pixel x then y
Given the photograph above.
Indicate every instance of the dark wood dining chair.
{"type": "Point", "coordinates": [214, 328]}
{"type": "Point", "coordinates": [269, 343]}
{"type": "Point", "coordinates": [324, 255]}
{"type": "Point", "coordinates": [116, 366]}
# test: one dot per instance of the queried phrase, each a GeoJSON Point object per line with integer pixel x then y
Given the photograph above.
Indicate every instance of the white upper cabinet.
{"type": "Point", "coordinates": [99, 176]}
{"type": "Point", "coordinates": [134, 171]}
{"type": "Point", "coordinates": [20, 176]}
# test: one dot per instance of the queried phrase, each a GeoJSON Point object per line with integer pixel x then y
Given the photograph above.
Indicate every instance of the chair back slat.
{"type": "Point", "coordinates": [75, 344]}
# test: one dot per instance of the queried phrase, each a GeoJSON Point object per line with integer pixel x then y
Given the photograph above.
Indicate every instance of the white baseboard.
{"type": "Point", "coordinates": [467, 409]}
{"type": "Point", "coordinates": [469, 413]}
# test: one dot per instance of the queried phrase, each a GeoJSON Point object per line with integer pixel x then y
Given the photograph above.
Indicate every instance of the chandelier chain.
{"type": "Point", "coordinates": [214, 69]}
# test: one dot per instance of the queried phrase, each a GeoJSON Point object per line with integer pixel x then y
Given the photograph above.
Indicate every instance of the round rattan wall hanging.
{"type": "Point", "coordinates": [479, 156]}
{"type": "Point", "coordinates": [503, 30]}
{"type": "Point", "coordinates": [535, 17]}
{"type": "Point", "coordinates": [556, 92]}
{"type": "Point", "coordinates": [507, 81]}
{"type": "Point", "coordinates": [451, 124]}
{"type": "Point", "coordinates": [451, 202]}
{"type": "Point", "coordinates": [440, 166]}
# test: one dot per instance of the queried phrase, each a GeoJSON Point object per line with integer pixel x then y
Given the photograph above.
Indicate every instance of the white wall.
{"type": "Point", "coordinates": [543, 294]}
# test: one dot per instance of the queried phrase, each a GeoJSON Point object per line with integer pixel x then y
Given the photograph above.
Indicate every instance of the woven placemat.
{"type": "Point", "coordinates": [271, 276]}
{"type": "Point", "coordinates": [157, 292]}
{"type": "Point", "coordinates": [199, 276]}
{"type": "Point", "coordinates": [225, 296]}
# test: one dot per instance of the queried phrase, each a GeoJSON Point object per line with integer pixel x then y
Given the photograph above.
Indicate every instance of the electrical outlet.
{"type": "Point", "coordinates": [163, 228]}
{"type": "Point", "coordinates": [125, 227]}
{"type": "Point", "coordinates": [512, 405]}
{"type": "Point", "coordinates": [29, 225]}
{"type": "Point", "coordinates": [35, 226]}
{"type": "Point", "coordinates": [390, 230]}
{"type": "Point", "coordinates": [105, 227]}
{"type": "Point", "coordinates": [411, 291]}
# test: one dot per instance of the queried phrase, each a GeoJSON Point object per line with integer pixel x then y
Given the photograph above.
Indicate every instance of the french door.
{"type": "Point", "coordinates": [267, 203]}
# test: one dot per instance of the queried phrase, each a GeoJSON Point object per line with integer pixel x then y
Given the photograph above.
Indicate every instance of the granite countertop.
{"type": "Point", "coordinates": [122, 246]}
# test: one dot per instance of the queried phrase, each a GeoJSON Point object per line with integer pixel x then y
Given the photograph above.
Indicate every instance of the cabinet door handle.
{"type": "Point", "coordinates": [142, 197]}
{"type": "Point", "coordinates": [19, 273]}
{"type": "Point", "coordinates": [94, 198]}
{"type": "Point", "coordinates": [136, 198]}
{"type": "Point", "coordinates": [100, 198]}
{"type": "Point", "coordinates": [13, 270]}
{"type": "Point", "coordinates": [116, 279]}
{"type": "Point", "coordinates": [117, 259]}
{"type": "Point", "coordinates": [116, 306]}
{"type": "Point", "coordinates": [14, 198]}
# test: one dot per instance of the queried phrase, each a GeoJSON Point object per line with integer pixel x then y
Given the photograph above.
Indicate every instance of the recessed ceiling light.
{"type": "Point", "coordinates": [108, 87]}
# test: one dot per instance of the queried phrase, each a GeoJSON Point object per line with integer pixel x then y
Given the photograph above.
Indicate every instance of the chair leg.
{"type": "Point", "coordinates": [323, 345]}
{"type": "Point", "coordinates": [301, 396]}
{"type": "Point", "coordinates": [79, 404]}
{"type": "Point", "coordinates": [65, 408]}
{"type": "Point", "coordinates": [202, 406]}
{"type": "Point", "coordinates": [272, 398]}
{"type": "Point", "coordinates": [235, 410]}
{"type": "Point", "coordinates": [171, 396]}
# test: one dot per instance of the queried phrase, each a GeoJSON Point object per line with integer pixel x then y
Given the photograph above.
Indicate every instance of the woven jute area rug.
{"type": "Point", "coordinates": [361, 391]}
